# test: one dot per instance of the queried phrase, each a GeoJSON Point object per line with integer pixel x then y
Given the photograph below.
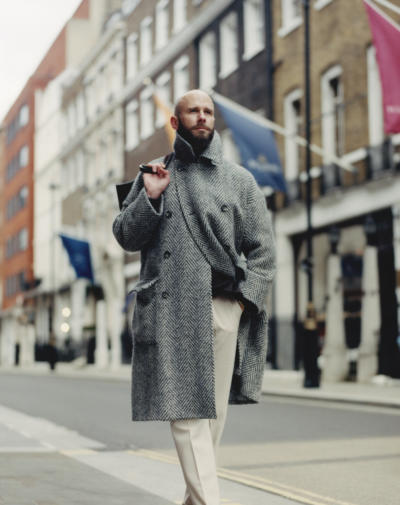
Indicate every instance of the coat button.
{"type": "Point", "coordinates": [165, 294]}
{"type": "Point", "coordinates": [168, 214]}
{"type": "Point", "coordinates": [224, 208]}
{"type": "Point", "coordinates": [179, 169]}
{"type": "Point", "coordinates": [227, 247]}
{"type": "Point", "coordinates": [167, 254]}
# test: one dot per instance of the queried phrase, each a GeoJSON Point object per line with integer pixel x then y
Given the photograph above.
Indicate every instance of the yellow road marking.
{"type": "Point", "coordinates": [254, 481]}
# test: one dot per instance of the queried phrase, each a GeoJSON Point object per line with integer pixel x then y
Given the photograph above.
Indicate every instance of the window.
{"type": "Point", "coordinates": [146, 113]}
{"type": "Point", "coordinates": [332, 112]}
{"type": "Point", "coordinates": [23, 116]}
{"type": "Point", "coordinates": [230, 150]}
{"type": "Point", "coordinates": [71, 118]}
{"type": "Point", "coordinates": [19, 121]}
{"type": "Point", "coordinates": [15, 283]}
{"type": "Point", "coordinates": [375, 109]}
{"type": "Point", "coordinates": [179, 15]}
{"type": "Point", "coordinates": [80, 111]}
{"type": "Point", "coordinates": [23, 156]}
{"type": "Point", "coordinates": [17, 202]}
{"type": "Point", "coordinates": [254, 22]}
{"type": "Point", "coordinates": [229, 44]}
{"type": "Point", "coordinates": [132, 125]}
{"type": "Point", "coordinates": [293, 121]}
{"type": "Point", "coordinates": [145, 40]}
{"type": "Point", "coordinates": [81, 169]}
{"type": "Point", "coordinates": [17, 243]}
{"type": "Point", "coordinates": [22, 239]}
{"type": "Point", "coordinates": [131, 56]}
{"type": "Point", "coordinates": [291, 16]}
{"type": "Point", "coordinates": [162, 23]}
{"type": "Point", "coordinates": [181, 77]}
{"type": "Point", "coordinates": [163, 85]}
{"type": "Point", "coordinates": [207, 61]}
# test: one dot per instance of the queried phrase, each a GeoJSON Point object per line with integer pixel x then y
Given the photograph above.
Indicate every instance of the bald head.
{"type": "Point", "coordinates": [194, 119]}
{"type": "Point", "coordinates": [191, 97]}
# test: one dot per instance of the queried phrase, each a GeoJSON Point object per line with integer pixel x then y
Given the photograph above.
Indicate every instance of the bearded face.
{"type": "Point", "coordinates": [199, 136]}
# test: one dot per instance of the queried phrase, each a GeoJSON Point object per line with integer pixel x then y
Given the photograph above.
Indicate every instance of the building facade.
{"type": "Point", "coordinates": [17, 274]}
{"type": "Point", "coordinates": [352, 212]}
{"type": "Point", "coordinates": [102, 116]}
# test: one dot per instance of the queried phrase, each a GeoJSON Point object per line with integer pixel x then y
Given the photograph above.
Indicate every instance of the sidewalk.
{"type": "Point", "coordinates": [381, 391]}
{"type": "Point", "coordinates": [42, 463]}
{"type": "Point", "coordinates": [32, 473]}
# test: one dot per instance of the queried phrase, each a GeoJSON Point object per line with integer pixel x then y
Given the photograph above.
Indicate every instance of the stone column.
{"type": "Point", "coordinates": [284, 291]}
{"type": "Point", "coordinates": [335, 365]}
{"type": "Point", "coordinates": [367, 365]}
{"type": "Point", "coordinates": [27, 350]}
{"type": "Point", "coordinates": [101, 353]}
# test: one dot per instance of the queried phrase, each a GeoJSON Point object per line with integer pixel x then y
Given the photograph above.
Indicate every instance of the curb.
{"type": "Point", "coordinates": [287, 384]}
{"type": "Point", "coordinates": [332, 397]}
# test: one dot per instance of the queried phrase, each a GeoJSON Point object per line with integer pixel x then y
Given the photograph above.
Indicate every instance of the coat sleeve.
{"type": "Point", "coordinates": [138, 220]}
{"type": "Point", "coordinates": [259, 249]}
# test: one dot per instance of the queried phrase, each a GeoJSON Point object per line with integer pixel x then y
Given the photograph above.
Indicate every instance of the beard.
{"type": "Point", "coordinates": [199, 144]}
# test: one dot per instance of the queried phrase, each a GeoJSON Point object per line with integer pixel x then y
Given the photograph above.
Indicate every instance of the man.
{"type": "Point", "coordinates": [207, 262]}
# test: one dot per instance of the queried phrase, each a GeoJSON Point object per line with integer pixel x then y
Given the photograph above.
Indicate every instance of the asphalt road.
{"type": "Point", "coordinates": [324, 452]}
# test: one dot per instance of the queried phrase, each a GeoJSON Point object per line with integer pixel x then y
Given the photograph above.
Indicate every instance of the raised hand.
{"type": "Point", "coordinates": [156, 183]}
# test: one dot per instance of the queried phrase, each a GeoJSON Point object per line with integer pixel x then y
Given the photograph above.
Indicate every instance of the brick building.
{"type": "Point", "coordinates": [346, 120]}
{"type": "Point", "coordinates": [17, 189]}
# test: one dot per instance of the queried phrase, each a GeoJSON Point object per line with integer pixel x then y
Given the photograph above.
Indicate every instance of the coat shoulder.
{"type": "Point", "coordinates": [241, 177]}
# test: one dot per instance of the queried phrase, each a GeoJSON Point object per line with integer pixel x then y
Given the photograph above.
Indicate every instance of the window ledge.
{"type": "Point", "coordinates": [320, 4]}
{"type": "Point", "coordinates": [250, 54]}
{"type": "Point", "coordinates": [293, 25]}
{"type": "Point", "coordinates": [225, 73]}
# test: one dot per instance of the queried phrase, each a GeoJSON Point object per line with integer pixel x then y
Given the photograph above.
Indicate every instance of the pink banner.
{"type": "Point", "coordinates": [386, 37]}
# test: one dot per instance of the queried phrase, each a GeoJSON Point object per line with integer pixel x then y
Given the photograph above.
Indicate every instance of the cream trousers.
{"type": "Point", "coordinates": [197, 440]}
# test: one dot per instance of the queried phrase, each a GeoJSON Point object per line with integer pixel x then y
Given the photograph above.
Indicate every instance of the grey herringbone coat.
{"type": "Point", "coordinates": [212, 215]}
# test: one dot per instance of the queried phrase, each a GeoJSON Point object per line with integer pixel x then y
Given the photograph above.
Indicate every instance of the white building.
{"type": "Point", "coordinates": [91, 163]}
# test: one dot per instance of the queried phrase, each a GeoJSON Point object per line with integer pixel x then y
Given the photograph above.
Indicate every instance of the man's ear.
{"type": "Point", "coordinates": [174, 122]}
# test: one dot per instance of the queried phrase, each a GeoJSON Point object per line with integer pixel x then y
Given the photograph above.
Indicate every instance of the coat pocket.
{"type": "Point", "coordinates": [145, 313]}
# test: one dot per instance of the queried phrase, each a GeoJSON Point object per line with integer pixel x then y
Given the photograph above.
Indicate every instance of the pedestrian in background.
{"type": "Point", "coordinates": [207, 263]}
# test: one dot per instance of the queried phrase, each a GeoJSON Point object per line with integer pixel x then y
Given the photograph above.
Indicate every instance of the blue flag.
{"type": "Point", "coordinates": [79, 256]}
{"type": "Point", "coordinates": [255, 141]}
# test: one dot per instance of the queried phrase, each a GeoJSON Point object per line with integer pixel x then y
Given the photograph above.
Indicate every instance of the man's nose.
{"type": "Point", "coordinates": [202, 116]}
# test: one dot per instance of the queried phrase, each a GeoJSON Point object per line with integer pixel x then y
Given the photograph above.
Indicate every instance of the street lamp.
{"type": "Point", "coordinates": [310, 334]}
{"type": "Point", "coordinates": [52, 187]}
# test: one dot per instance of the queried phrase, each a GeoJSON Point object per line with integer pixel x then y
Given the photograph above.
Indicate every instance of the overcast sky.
{"type": "Point", "coordinates": [27, 30]}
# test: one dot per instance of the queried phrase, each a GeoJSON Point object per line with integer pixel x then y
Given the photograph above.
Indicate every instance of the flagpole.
{"type": "Point", "coordinates": [310, 335]}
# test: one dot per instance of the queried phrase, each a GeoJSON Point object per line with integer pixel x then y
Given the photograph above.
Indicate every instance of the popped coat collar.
{"type": "Point", "coordinates": [213, 152]}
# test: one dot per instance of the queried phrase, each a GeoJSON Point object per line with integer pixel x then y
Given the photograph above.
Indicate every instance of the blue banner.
{"type": "Point", "coordinates": [255, 141]}
{"type": "Point", "coordinates": [79, 256]}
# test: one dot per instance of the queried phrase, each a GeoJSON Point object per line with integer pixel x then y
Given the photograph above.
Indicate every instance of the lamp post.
{"type": "Point", "coordinates": [52, 187]}
{"type": "Point", "coordinates": [310, 334]}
